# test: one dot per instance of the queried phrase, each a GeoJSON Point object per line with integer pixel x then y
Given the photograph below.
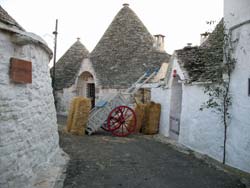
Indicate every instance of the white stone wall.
{"type": "Point", "coordinates": [28, 128]}
{"type": "Point", "coordinates": [201, 131]}
{"type": "Point", "coordinates": [87, 66]}
{"type": "Point", "coordinates": [162, 96]}
{"type": "Point", "coordinates": [236, 12]}
{"type": "Point", "coordinates": [65, 96]}
{"type": "Point", "coordinates": [106, 92]}
{"type": "Point", "coordinates": [238, 146]}
{"type": "Point", "coordinates": [63, 99]}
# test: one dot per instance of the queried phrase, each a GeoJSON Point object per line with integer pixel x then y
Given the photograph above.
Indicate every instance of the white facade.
{"type": "Point", "coordinates": [65, 96]}
{"type": "Point", "coordinates": [161, 96]}
{"type": "Point", "coordinates": [203, 131]}
{"type": "Point", "coordinates": [237, 20]}
{"type": "Point", "coordinates": [199, 130]}
{"type": "Point", "coordinates": [28, 127]}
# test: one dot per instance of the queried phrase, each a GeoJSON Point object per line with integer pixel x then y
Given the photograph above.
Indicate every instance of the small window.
{"type": "Point", "coordinates": [248, 86]}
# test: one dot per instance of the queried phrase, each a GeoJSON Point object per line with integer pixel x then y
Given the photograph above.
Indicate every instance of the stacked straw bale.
{"type": "Point", "coordinates": [151, 118]}
{"type": "Point", "coordinates": [139, 112]}
{"type": "Point", "coordinates": [78, 115]}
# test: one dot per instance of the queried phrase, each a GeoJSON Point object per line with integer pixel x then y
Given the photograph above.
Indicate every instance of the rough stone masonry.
{"type": "Point", "coordinates": [28, 128]}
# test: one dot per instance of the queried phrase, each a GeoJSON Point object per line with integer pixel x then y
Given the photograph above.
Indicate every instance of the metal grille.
{"type": "Point", "coordinates": [91, 93]}
{"type": "Point", "coordinates": [90, 90]}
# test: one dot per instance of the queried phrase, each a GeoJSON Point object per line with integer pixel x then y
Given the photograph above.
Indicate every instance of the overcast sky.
{"type": "Point", "coordinates": [181, 21]}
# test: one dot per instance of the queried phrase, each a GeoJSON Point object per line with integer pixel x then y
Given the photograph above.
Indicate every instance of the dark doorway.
{"type": "Point", "coordinates": [91, 93]}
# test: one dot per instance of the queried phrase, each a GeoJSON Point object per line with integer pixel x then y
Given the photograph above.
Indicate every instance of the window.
{"type": "Point", "coordinates": [248, 86]}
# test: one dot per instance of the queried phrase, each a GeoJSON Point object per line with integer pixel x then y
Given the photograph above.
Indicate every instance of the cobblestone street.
{"type": "Point", "coordinates": [102, 160]}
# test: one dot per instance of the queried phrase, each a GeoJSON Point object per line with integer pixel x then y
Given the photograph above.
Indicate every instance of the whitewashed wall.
{"type": "Point", "coordinates": [201, 131]}
{"type": "Point", "coordinates": [28, 128]}
{"type": "Point", "coordinates": [236, 12]}
{"type": "Point", "coordinates": [86, 65]}
{"type": "Point", "coordinates": [106, 92]}
{"type": "Point", "coordinates": [238, 147]}
{"type": "Point", "coordinates": [63, 99]}
{"type": "Point", "coordinates": [161, 95]}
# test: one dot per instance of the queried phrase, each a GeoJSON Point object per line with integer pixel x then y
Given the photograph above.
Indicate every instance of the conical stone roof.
{"type": "Point", "coordinates": [203, 63]}
{"type": "Point", "coordinates": [8, 20]}
{"type": "Point", "coordinates": [125, 51]}
{"type": "Point", "coordinates": [68, 65]}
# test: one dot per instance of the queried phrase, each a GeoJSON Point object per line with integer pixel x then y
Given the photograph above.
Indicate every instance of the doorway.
{"type": "Point", "coordinates": [86, 87]}
{"type": "Point", "coordinates": [175, 108]}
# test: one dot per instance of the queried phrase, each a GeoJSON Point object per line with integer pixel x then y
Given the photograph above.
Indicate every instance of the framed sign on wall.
{"type": "Point", "coordinates": [20, 71]}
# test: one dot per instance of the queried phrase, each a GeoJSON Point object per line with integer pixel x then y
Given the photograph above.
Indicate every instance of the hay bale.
{"type": "Point", "coordinates": [81, 115]}
{"type": "Point", "coordinates": [77, 120]}
{"type": "Point", "coordinates": [152, 118]}
{"type": "Point", "coordinates": [71, 115]}
{"type": "Point", "coordinates": [139, 112]}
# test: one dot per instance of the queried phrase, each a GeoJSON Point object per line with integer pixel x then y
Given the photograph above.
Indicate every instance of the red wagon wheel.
{"type": "Point", "coordinates": [122, 121]}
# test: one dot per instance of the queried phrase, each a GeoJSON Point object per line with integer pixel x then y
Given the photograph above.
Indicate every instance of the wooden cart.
{"type": "Point", "coordinates": [114, 112]}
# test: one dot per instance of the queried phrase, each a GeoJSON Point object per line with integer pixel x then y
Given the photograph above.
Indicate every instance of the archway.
{"type": "Point", "coordinates": [175, 108]}
{"type": "Point", "coordinates": [86, 86]}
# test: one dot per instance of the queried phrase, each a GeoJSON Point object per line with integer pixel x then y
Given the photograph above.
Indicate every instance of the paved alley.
{"type": "Point", "coordinates": [104, 161]}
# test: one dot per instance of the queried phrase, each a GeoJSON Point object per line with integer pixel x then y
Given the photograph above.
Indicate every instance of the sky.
{"type": "Point", "coordinates": [181, 21]}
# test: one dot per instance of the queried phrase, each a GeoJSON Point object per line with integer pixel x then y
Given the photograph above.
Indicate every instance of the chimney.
{"type": "Point", "coordinates": [204, 37]}
{"type": "Point", "coordinates": [188, 46]}
{"type": "Point", "coordinates": [159, 42]}
{"type": "Point", "coordinates": [126, 5]}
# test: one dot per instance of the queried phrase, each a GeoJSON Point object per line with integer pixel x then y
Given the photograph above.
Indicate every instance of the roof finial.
{"type": "Point", "coordinates": [126, 5]}
{"type": "Point", "coordinates": [78, 38]}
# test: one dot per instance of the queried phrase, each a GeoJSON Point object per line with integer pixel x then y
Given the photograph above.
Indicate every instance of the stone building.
{"type": "Point", "coordinates": [28, 127]}
{"type": "Point", "coordinates": [237, 22]}
{"type": "Point", "coordinates": [183, 92]}
{"type": "Point", "coordinates": [123, 54]}
{"type": "Point", "coordinates": [67, 70]}
{"type": "Point", "coordinates": [190, 70]}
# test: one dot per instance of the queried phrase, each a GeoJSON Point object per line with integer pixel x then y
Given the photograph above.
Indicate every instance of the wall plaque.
{"type": "Point", "coordinates": [20, 70]}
